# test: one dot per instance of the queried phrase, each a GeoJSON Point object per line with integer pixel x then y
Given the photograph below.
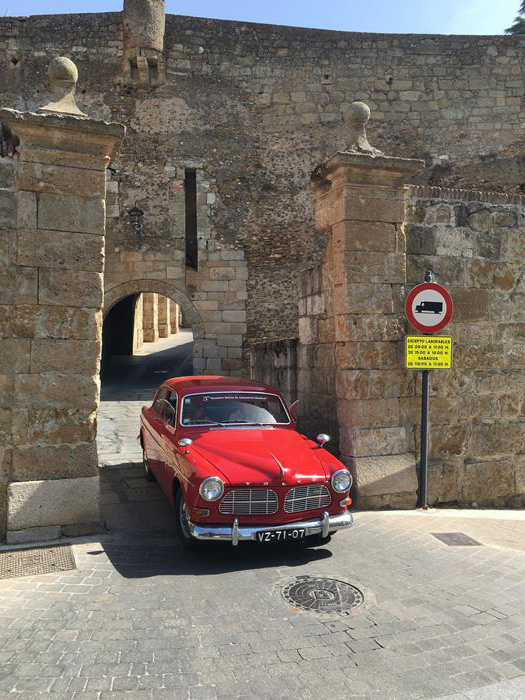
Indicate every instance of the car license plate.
{"type": "Point", "coordinates": [280, 535]}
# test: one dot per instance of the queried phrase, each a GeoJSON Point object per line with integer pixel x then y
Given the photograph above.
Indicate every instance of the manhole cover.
{"type": "Point", "coordinates": [322, 594]}
{"type": "Point", "coordinates": [38, 560]}
{"type": "Point", "coordinates": [456, 539]}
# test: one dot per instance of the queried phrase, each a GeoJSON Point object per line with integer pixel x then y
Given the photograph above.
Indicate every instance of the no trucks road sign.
{"type": "Point", "coordinates": [428, 307]}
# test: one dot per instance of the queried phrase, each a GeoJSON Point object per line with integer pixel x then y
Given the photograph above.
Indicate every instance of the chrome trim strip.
{"type": "Point", "coordinates": [237, 533]}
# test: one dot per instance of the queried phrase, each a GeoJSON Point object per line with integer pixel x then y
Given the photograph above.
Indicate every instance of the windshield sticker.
{"type": "Point", "coordinates": [238, 397]}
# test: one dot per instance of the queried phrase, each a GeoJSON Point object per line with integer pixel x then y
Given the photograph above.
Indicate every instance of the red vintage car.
{"type": "Point", "coordinates": [227, 454]}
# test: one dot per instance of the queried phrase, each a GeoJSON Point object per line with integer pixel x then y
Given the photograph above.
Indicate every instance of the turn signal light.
{"type": "Point", "coordinates": [346, 501]}
{"type": "Point", "coordinates": [203, 512]}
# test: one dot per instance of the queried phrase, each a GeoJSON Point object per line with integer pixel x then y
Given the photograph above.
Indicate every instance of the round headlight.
{"type": "Point", "coordinates": [211, 488]}
{"type": "Point", "coordinates": [341, 480]}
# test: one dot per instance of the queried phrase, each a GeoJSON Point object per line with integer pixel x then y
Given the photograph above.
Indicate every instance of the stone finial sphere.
{"type": "Point", "coordinates": [359, 113]}
{"type": "Point", "coordinates": [63, 69]}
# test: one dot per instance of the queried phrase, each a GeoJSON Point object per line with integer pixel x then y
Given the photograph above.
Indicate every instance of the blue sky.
{"type": "Point", "coordinates": [404, 16]}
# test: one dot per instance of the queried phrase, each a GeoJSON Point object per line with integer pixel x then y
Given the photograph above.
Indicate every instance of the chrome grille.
{"type": "Point", "coordinates": [306, 498]}
{"type": "Point", "coordinates": [249, 502]}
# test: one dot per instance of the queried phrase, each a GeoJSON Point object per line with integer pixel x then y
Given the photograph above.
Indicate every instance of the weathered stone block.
{"type": "Point", "coordinates": [360, 442]}
{"type": "Point", "coordinates": [363, 299]}
{"type": "Point", "coordinates": [373, 384]}
{"type": "Point", "coordinates": [25, 209]}
{"type": "Point", "coordinates": [68, 213]}
{"type": "Point", "coordinates": [53, 426]}
{"type": "Point", "coordinates": [371, 413]}
{"type": "Point", "coordinates": [40, 177]}
{"type": "Point", "coordinates": [497, 439]}
{"type": "Point", "coordinates": [364, 236]}
{"type": "Point", "coordinates": [7, 209]}
{"type": "Point", "coordinates": [59, 250]}
{"type": "Point", "coordinates": [379, 268]}
{"type": "Point", "coordinates": [368, 204]}
{"type": "Point", "coordinates": [53, 390]}
{"type": "Point", "coordinates": [61, 288]}
{"type": "Point", "coordinates": [368, 355]}
{"type": "Point", "coordinates": [392, 474]}
{"type": "Point", "coordinates": [54, 462]}
{"type": "Point", "coordinates": [32, 321]}
{"type": "Point", "coordinates": [485, 482]}
{"type": "Point", "coordinates": [54, 502]}
{"type": "Point", "coordinates": [18, 285]}
{"type": "Point", "coordinates": [14, 355]}
{"type": "Point", "coordinates": [471, 304]}
{"type": "Point", "coordinates": [33, 534]}
{"type": "Point", "coordinates": [64, 356]}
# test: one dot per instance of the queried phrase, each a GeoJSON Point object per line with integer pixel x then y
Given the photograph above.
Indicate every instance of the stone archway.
{"type": "Point", "coordinates": [121, 291]}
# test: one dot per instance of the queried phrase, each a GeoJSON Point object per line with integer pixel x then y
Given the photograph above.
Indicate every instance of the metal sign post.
{"type": "Point", "coordinates": [423, 461]}
{"type": "Point", "coordinates": [428, 308]}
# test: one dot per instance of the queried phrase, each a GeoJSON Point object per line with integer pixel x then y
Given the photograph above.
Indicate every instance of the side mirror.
{"type": "Point", "coordinates": [294, 411]}
{"type": "Point", "coordinates": [322, 439]}
{"type": "Point", "coordinates": [185, 443]}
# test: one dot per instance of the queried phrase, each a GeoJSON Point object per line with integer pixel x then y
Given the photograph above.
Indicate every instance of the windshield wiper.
{"type": "Point", "coordinates": [204, 421]}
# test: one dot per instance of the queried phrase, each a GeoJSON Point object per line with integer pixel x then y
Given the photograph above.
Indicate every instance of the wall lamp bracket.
{"type": "Point", "coordinates": [136, 214]}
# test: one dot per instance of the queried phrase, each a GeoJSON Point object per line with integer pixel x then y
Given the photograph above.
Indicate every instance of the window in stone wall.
{"type": "Point", "coordinates": [190, 189]}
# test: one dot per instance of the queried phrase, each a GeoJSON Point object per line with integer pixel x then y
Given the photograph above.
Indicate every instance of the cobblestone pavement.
{"type": "Point", "coordinates": [142, 618]}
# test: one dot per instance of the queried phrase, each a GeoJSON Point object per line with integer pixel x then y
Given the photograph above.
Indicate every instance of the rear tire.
{"type": "Point", "coordinates": [181, 523]}
{"type": "Point", "coordinates": [148, 474]}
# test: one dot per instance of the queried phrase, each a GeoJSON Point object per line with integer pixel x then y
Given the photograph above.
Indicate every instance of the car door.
{"type": "Point", "coordinates": [153, 436]}
{"type": "Point", "coordinates": [167, 437]}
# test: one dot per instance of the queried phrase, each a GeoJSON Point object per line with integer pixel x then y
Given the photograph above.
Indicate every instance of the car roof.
{"type": "Point", "coordinates": [194, 384]}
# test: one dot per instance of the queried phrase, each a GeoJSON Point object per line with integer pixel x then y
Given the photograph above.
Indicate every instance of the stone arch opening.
{"type": "Point", "coordinates": [143, 318]}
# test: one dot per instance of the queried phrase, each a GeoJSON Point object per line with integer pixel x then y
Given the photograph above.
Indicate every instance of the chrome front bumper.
{"type": "Point", "coordinates": [323, 526]}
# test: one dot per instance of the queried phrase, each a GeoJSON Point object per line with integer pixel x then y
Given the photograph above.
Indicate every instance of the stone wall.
{"type": "Point", "coordinates": [254, 109]}
{"type": "Point", "coordinates": [275, 363]}
{"type": "Point", "coordinates": [475, 244]}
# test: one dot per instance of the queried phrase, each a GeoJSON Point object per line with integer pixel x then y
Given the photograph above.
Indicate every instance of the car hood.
{"type": "Point", "coordinates": [248, 456]}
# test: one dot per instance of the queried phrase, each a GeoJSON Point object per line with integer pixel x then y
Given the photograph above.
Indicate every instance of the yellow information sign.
{"type": "Point", "coordinates": [428, 352]}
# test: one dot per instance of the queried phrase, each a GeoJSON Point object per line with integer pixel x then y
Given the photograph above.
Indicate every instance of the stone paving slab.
{"type": "Point", "coordinates": [140, 617]}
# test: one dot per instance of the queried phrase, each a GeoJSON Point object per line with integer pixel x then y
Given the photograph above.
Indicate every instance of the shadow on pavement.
{"type": "Point", "coordinates": [138, 514]}
{"type": "Point", "coordinates": [142, 560]}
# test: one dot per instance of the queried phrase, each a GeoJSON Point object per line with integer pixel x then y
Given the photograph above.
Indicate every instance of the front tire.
{"type": "Point", "coordinates": [181, 522]}
{"type": "Point", "coordinates": [148, 474]}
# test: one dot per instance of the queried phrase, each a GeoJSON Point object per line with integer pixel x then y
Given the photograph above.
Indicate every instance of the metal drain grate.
{"type": "Point", "coordinates": [456, 539]}
{"type": "Point", "coordinates": [38, 560]}
{"type": "Point", "coordinates": [322, 594]}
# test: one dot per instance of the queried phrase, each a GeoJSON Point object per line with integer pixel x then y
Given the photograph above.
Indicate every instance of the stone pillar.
{"type": "Point", "coordinates": [150, 322]}
{"type": "Point", "coordinates": [164, 316]}
{"type": "Point", "coordinates": [144, 28]}
{"type": "Point", "coordinates": [52, 289]}
{"type": "Point", "coordinates": [138, 331]}
{"type": "Point", "coordinates": [174, 317]}
{"type": "Point", "coordinates": [353, 318]}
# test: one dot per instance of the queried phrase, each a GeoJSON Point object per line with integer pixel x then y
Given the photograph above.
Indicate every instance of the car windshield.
{"type": "Point", "coordinates": [233, 408]}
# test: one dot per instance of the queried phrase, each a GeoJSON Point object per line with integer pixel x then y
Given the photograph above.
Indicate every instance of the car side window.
{"type": "Point", "coordinates": [158, 404]}
{"type": "Point", "coordinates": [169, 410]}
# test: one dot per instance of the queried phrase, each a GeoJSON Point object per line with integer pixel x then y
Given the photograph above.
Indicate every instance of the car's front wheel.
{"type": "Point", "coordinates": [182, 522]}
{"type": "Point", "coordinates": [148, 474]}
